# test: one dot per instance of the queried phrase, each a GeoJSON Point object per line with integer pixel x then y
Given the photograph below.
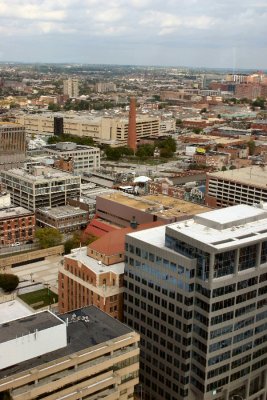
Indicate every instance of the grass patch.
{"type": "Point", "coordinates": [39, 298]}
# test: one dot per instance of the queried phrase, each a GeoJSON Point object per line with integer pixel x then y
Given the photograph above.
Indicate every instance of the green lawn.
{"type": "Point", "coordinates": [39, 298]}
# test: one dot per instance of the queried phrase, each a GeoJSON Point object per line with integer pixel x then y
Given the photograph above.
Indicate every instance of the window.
{"type": "Point", "coordinates": [247, 257]}
{"type": "Point", "coordinates": [224, 264]}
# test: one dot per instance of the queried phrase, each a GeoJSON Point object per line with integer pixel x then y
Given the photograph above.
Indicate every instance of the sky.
{"type": "Point", "coordinates": [197, 33]}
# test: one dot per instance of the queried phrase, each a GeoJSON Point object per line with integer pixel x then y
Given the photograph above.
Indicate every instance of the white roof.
{"type": "Point", "coordinates": [238, 225]}
{"type": "Point", "coordinates": [96, 266]}
{"type": "Point", "coordinates": [11, 310]}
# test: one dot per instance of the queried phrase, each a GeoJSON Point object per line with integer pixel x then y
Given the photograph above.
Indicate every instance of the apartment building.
{"type": "Point", "coordinates": [90, 356]}
{"type": "Point", "coordinates": [13, 145]}
{"type": "Point", "coordinates": [104, 87]}
{"type": "Point", "coordinates": [247, 90]}
{"type": "Point", "coordinates": [71, 87]}
{"type": "Point", "coordinates": [74, 158]}
{"type": "Point", "coordinates": [196, 293]}
{"type": "Point", "coordinates": [40, 187]}
{"type": "Point", "coordinates": [238, 186]}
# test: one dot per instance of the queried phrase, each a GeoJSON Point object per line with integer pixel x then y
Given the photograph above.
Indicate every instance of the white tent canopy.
{"type": "Point", "coordinates": [141, 179]}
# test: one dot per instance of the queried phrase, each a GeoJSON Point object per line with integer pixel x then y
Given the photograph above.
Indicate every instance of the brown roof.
{"type": "Point", "coordinates": [114, 242]}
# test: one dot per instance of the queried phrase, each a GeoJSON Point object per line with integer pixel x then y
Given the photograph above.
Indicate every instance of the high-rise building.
{"type": "Point", "coordinates": [71, 87]}
{"type": "Point", "coordinates": [196, 293]}
{"type": "Point", "coordinates": [12, 145]}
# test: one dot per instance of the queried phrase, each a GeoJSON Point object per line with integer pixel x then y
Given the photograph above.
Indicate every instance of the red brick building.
{"type": "Point", "coordinates": [94, 275]}
{"type": "Point", "coordinates": [17, 225]}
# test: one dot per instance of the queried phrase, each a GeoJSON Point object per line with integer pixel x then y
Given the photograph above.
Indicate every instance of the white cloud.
{"type": "Point", "coordinates": [138, 24]}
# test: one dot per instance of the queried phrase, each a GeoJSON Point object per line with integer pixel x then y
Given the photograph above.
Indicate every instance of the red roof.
{"type": "Point", "coordinates": [114, 242]}
{"type": "Point", "coordinates": [99, 228]}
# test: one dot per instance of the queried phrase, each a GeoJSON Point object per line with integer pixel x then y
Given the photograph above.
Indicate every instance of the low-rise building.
{"type": "Point", "coordinates": [212, 159]}
{"type": "Point", "coordinates": [74, 158]}
{"type": "Point", "coordinates": [119, 209]}
{"type": "Point", "coordinates": [17, 225]}
{"type": "Point", "coordinates": [85, 354]}
{"type": "Point", "coordinates": [63, 218]}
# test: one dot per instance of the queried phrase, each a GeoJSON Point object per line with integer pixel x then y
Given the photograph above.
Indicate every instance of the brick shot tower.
{"type": "Point", "coordinates": [132, 125]}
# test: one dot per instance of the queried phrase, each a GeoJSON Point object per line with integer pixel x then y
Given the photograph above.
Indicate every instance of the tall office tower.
{"type": "Point", "coordinates": [132, 125]}
{"type": "Point", "coordinates": [71, 87]}
{"type": "Point", "coordinates": [12, 145]}
{"type": "Point", "coordinates": [196, 293]}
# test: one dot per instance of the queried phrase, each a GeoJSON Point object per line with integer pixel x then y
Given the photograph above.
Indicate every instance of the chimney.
{"type": "Point", "coordinates": [132, 125]}
{"type": "Point", "coordinates": [134, 224]}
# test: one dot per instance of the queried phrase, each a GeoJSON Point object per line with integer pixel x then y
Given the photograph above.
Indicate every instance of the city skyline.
{"type": "Point", "coordinates": [193, 33]}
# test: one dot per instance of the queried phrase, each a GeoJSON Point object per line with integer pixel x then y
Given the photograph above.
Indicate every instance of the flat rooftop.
{"type": "Point", "coordinates": [12, 310]}
{"type": "Point", "coordinates": [78, 147]}
{"type": "Point", "coordinates": [53, 174]}
{"type": "Point", "coordinates": [232, 226]}
{"type": "Point", "coordinates": [215, 139]}
{"type": "Point", "coordinates": [252, 176]}
{"type": "Point", "coordinates": [87, 327]}
{"type": "Point", "coordinates": [61, 211]}
{"type": "Point", "coordinates": [219, 229]}
{"type": "Point", "coordinates": [96, 266]}
{"type": "Point", "coordinates": [10, 124]}
{"type": "Point", "coordinates": [9, 330]}
{"type": "Point", "coordinates": [164, 206]}
{"type": "Point", "coordinates": [14, 212]}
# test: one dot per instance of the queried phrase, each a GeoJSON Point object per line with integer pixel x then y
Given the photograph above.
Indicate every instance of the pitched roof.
{"type": "Point", "coordinates": [99, 227]}
{"type": "Point", "coordinates": [114, 242]}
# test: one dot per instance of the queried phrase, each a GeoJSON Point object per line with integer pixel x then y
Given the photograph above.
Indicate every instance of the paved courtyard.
{"type": "Point", "coordinates": [44, 272]}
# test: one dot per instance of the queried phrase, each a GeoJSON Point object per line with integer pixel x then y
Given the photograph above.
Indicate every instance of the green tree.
{"type": "Point", "coordinates": [113, 154]}
{"type": "Point", "coordinates": [78, 239]}
{"type": "Point", "coordinates": [232, 167]}
{"type": "Point", "coordinates": [224, 168]}
{"type": "Point", "coordinates": [197, 130]}
{"type": "Point", "coordinates": [48, 237]}
{"type": "Point", "coordinates": [145, 150]}
{"type": "Point", "coordinates": [259, 102]}
{"type": "Point", "coordinates": [166, 152]}
{"type": "Point", "coordinates": [53, 107]}
{"type": "Point", "coordinates": [8, 282]}
{"type": "Point", "coordinates": [167, 147]}
{"type": "Point", "coordinates": [178, 122]}
{"type": "Point", "coordinates": [251, 147]}
{"type": "Point", "coordinates": [203, 110]}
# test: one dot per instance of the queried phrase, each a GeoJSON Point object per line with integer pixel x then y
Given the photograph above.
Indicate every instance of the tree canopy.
{"type": "Point", "coordinates": [83, 140]}
{"type": "Point", "coordinates": [48, 237]}
{"type": "Point", "coordinates": [8, 282]}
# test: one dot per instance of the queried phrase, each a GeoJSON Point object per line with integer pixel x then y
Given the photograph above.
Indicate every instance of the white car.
{"type": "Point", "coordinates": [15, 244]}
